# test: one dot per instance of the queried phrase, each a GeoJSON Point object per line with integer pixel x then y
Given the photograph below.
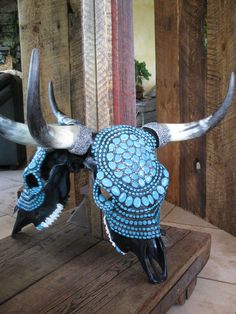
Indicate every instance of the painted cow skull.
{"type": "Point", "coordinates": [122, 160]}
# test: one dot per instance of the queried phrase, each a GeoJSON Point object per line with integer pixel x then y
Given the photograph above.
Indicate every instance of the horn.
{"type": "Point", "coordinates": [50, 136]}
{"type": "Point", "coordinates": [172, 132]}
{"type": "Point", "coordinates": [15, 131]}
{"type": "Point", "coordinates": [62, 119]}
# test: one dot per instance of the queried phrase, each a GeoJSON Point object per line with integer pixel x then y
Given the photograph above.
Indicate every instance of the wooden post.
{"type": "Point", "coordinates": [180, 57]}
{"type": "Point", "coordinates": [91, 76]}
{"type": "Point", "coordinates": [123, 63]}
{"type": "Point", "coordinates": [77, 88]}
{"type": "Point", "coordinates": [167, 63]}
{"type": "Point", "coordinates": [44, 25]}
{"type": "Point", "coordinates": [221, 141]}
{"type": "Point", "coordinates": [192, 74]}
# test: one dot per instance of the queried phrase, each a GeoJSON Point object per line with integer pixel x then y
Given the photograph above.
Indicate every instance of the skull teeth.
{"type": "Point", "coordinates": [109, 236]}
{"type": "Point", "coordinates": [51, 219]}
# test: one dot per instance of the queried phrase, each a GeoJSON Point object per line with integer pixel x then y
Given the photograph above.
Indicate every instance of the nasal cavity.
{"type": "Point", "coordinates": [31, 181]}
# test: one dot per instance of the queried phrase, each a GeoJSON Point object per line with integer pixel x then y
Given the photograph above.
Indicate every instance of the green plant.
{"type": "Point", "coordinates": [141, 72]}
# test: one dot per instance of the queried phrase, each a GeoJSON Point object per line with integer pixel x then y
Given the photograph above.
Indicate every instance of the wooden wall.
{"type": "Point", "coordinates": [221, 141]}
{"type": "Point", "coordinates": [192, 70]}
{"type": "Point", "coordinates": [181, 59]}
{"type": "Point", "coordinates": [192, 80]}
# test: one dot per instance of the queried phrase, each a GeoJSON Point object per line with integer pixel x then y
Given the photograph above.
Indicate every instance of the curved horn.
{"type": "Point", "coordinates": [44, 134]}
{"type": "Point", "coordinates": [62, 119]}
{"type": "Point", "coordinates": [171, 132]}
{"type": "Point", "coordinates": [15, 131]}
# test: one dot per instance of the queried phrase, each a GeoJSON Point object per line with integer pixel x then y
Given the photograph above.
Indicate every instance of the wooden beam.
{"type": "Point", "coordinates": [192, 78]}
{"type": "Point", "coordinates": [123, 63]}
{"type": "Point", "coordinates": [168, 85]}
{"type": "Point", "coordinates": [181, 61]}
{"type": "Point", "coordinates": [90, 52]}
{"type": "Point", "coordinates": [103, 43]}
{"type": "Point", "coordinates": [221, 141]}
{"type": "Point", "coordinates": [44, 26]}
{"type": "Point", "coordinates": [77, 81]}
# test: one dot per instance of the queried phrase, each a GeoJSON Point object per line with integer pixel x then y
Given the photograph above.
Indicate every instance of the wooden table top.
{"type": "Point", "coordinates": [65, 270]}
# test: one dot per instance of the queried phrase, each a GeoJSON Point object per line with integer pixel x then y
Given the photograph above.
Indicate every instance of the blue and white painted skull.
{"type": "Point", "coordinates": [127, 168]}
{"type": "Point", "coordinates": [129, 182]}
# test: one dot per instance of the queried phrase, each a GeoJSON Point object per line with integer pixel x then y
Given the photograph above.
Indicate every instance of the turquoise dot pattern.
{"type": "Point", "coordinates": [127, 168]}
{"type": "Point", "coordinates": [33, 197]}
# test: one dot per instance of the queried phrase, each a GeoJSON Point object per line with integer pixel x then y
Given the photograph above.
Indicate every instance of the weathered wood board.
{"type": "Point", "coordinates": [123, 63]}
{"type": "Point", "coordinates": [221, 141]}
{"type": "Point", "coordinates": [195, 49]}
{"type": "Point", "coordinates": [192, 77]}
{"type": "Point", "coordinates": [167, 64]}
{"type": "Point", "coordinates": [64, 270]}
{"type": "Point", "coordinates": [44, 25]}
{"type": "Point", "coordinates": [181, 67]}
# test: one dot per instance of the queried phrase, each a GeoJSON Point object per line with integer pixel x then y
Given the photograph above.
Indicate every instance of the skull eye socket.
{"type": "Point", "coordinates": [31, 181]}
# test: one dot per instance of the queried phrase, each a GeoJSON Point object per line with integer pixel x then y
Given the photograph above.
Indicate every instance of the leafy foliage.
{"type": "Point", "coordinates": [141, 72]}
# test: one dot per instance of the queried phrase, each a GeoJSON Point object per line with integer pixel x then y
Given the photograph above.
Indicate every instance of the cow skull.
{"type": "Point", "coordinates": [122, 160]}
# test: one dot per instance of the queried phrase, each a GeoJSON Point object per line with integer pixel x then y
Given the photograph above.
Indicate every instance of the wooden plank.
{"type": "Point", "coordinates": [103, 62]}
{"type": "Point", "coordinates": [27, 239]}
{"type": "Point", "coordinates": [167, 66]}
{"type": "Point", "coordinates": [166, 208]}
{"type": "Point", "coordinates": [32, 262]}
{"type": "Point", "coordinates": [123, 63]}
{"type": "Point", "coordinates": [77, 77]}
{"type": "Point", "coordinates": [103, 55]}
{"type": "Point", "coordinates": [100, 259]}
{"type": "Point", "coordinates": [123, 294]}
{"type": "Point", "coordinates": [84, 91]}
{"type": "Point", "coordinates": [78, 276]}
{"type": "Point", "coordinates": [90, 91]}
{"type": "Point", "coordinates": [101, 281]}
{"type": "Point", "coordinates": [51, 37]}
{"type": "Point", "coordinates": [44, 25]}
{"type": "Point", "coordinates": [192, 74]}
{"type": "Point", "coordinates": [221, 141]}
{"type": "Point", "coordinates": [88, 27]}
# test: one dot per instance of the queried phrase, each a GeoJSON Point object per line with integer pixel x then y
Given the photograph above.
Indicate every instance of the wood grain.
{"type": "Point", "coordinates": [77, 83]}
{"type": "Point", "coordinates": [192, 74]}
{"type": "Point", "coordinates": [123, 63]}
{"type": "Point", "coordinates": [103, 25]}
{"type": "Point", "coordinates": [101, 281]}
{"type": "Point", "coordinates": [28, 261]}
{"type": "Point", "coordinates": [221, 141]}
{"type": "Point", "coordinates": [168, 86]}
{"type": "Point", "coordinates": [44, 25]}
{"type": "Point", "coordinates": [51, 38]}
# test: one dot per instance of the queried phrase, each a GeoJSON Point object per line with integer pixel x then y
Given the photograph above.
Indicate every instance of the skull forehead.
{"type": "Point", "coordinates": [128, 169]}
{"type": "Point", "coordinates": [127, 163]}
